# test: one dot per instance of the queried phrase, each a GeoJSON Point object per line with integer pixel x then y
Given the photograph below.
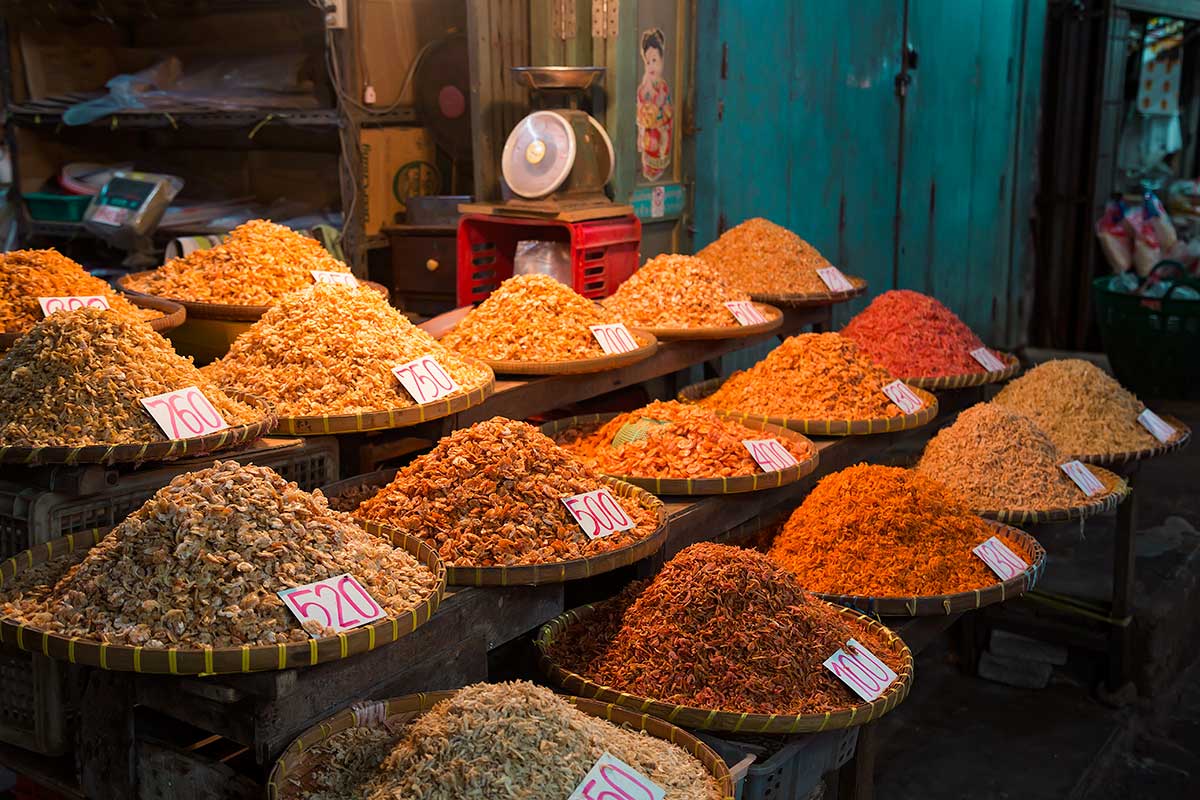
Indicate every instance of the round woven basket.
{"type": "Point", "coordinates": [943, 604]}
{"type": "Point", "coordinates": [647, 345]}
{"type": "Point", "coordinates": [1181, 439]}
{"type": "Point", "coordinates": [1011, 366]}
{"type": "Point", "coordinates": [821, 427]}
{"type": "Point", "coordinates": [816, 299]}
{"type": "Point", "coordinates": [1116, 489]}
{"type": "Point", "coordinates": [222, 311]}
{"type": "Point", "coordinates": [700, 486]}
{"type": "Point", "coordinates": [172, 315]}
{"type": "Point", "coordinates": [712, 719]}
{"type": "Point", "coordinates": [294, 774]}
{"type": "Point", "coordinates": [374, 481]}
{"type": "Point", "coordinates": [211, 660]}
{"type": "Point", "coordinates": [167, 450]}
{"type": "Point", "coordinates": [774, 320]}
{"type": "Point", "coordinates": [561, 571]}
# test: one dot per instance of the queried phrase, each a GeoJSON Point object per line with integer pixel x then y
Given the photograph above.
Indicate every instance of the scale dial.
{"type": "Point", "coordinates": [538, 154]}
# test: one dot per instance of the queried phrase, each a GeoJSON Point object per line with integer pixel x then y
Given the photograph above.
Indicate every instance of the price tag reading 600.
{"type": "Point", "coordinates": [425, 380]}
{"type": "Point", "coordinates": [598, 513]}
{"type": "Point", "coordinates": [610, 778]}
{"type": "Point", "coordinates": [340, 603]}
{"type": "Point", "coordinates": [184, 413]}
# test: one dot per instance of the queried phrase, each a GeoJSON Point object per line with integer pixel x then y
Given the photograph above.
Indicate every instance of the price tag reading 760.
{"type": "Point", "coordinates": [614, 338]}
{"type": "Point", "coordinates": [598, 513]}
{"type": "Point", "coordinates": [425, 380]}
{"type": "Point", "coordinates": [610, 778]}
{"type": "Point", "coordinates": [338, 603]}
{"type": "Point", "coordinates": [769, 454]}
{"type": "Point", "coordinates": [51, 305]}
{"type": "Point", "coordinates": [184, 413]}
{"type": "Point", "coordinates": [859, 669]}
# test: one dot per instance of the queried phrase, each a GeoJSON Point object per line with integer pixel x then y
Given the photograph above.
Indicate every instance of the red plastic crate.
{"type": "Point", "coordinates": [604, 252]}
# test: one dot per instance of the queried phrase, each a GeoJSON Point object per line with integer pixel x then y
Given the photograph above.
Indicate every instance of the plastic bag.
{"type": "Point", "coordinates": [544, 258]}
{"type": "Point", "coordinates": [1116, 240]}
{"type": "Point", "coordinates": [1146, 250]}
{"type": "Point", "coordinates": [1158, 218]}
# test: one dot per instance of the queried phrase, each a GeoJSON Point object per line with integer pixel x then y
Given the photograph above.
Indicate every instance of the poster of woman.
{"type": "Point", "coordinates": [655, 116]}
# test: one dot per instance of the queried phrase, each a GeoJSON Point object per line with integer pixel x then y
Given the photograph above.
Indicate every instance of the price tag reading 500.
{"type": "Point", "coordinates": [598, 513]}
{"type": "Point", "coordinates": [340, 603]}
{"type": "Point", "coordinates": [614, 338]}
{"type": "Point", "coordinates": [610, 778]}
{"type": "Point", "coordinates": [425, 380]}
{"type": "Point", "coordinates": [52, 304]}
{"type": "Point", "coordinates": [184, 413]}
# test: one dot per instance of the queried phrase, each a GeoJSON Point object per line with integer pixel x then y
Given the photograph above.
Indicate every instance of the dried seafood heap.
{"type": "Point", "coordinates": [997, 459]}
{"type": "Point", "coordinates": [674, 291]}
{"type": "Point", "coordinates": [530, 318]}
{"type": "Point", "coordinates": [761, 257]}
{"type": "Point", "coordinates": [256, 265]}
{"type": "Point", "coordinates": [26, 275]}
{"type": "Point", "coordinates": [491, 495]}
{"type": "Point", "coordinates": [810, 376]}
{"type": "Point", "coordinates": [329, 349]}
{"type": "Point", "coordinates": [677, 441]}
{"type": "Point", "coordinates": [199, 564]}
{"type": "Point", "coordinates": [1081, 408]}
{"type": "Point", "coordinates": [723, 628]}
{"type": "Point", "coordinates": [882, 531]}
{"type": "Point", "coordinates": [76, 379]}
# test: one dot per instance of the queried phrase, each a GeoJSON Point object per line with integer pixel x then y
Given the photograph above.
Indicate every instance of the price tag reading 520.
{"type": "Point", "coordinates": [425, 380]}
{"type": "Point", "coordinates": [610, 778]}
{"type": "Point", "coordinates": [614, 338]}
{"type": "Point", "coordinates": [340, 603]}
{"type": "Point", "coordinates": [598, 513]}
{"type": "Point", "coordinates": [184, 413]}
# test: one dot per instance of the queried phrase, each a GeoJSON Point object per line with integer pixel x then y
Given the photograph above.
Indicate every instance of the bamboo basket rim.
{"type": "Point", "coordinates": [212, 660]}
{"type": "Point", "coordinates": [736, 331]}
{"type": "Point", "coordinates": [735, 484]}
{"type": "Point", "coordinates": [814, 298]}
{"type": "Point", "coordinates": [821, 427]}
{"type": "Point", "coordinates": [647, 345]}
{"type": "Point", "coordinates": [411, 707]}
{"type": "Point", "coordinates": [572, 569]}
{"type": "Point", "coordinates": [172, 316]}
{"type": "Point", "coordinates": [709, 719]}
{"type": "Point", "coordinates": [1126, 456]}
{"type": "Point", "coordinates": [138, 453]}
{"type": "Point", "coordinates": [946, 604]}
{"type": "Point", "coordinates": [1116, 490]}
{"type": "Point", "coordinates": [1012, 365]}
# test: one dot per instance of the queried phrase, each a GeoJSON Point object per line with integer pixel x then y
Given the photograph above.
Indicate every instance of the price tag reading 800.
{"type": "Point", "coordinates": [340, 603]}
{"type": "Point", "coordinates": [425, 380]}
{"type": "Point", "coordinates": [859, 669]}
{"type": "Point", "coordinates": [745, 312]}
{"type": "Point", "coordinates": [52, 304]}
{"type": "Point", "coordinates": [1003, 561]}
{"type": "Point", "coordinates": [614, 338]}
{"type": "Point", "coordinates": [324, 276]}
{"type": "Point", "coordinates": [184, 413]}
{"type": "Point", "coordinates": [769, 454]}
{"type": "Point", "coordinates": [610, 778]}
{"type": "Point", "coordinates": [598, 513]}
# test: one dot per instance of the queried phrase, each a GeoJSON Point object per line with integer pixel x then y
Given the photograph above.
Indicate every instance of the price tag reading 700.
{"type": "Point", "coordinates": [745, 312]}
{"type": "Point", "coordinates": [859, 669]}
{"type": "Point", "coordinates": [614, 338]}
{"type": "Point", "coordinates": [425, 380]}
{"type": "Point", "coordinates": [184, 413]}
{"type": "Point", "coordinates": [339, 603]}
{"type": "Point", "coordinates": [52, 304]}
{"type": "Point", "coordinates": [598, 513]}
{"type": "Point", "coordinates": [610, 778]}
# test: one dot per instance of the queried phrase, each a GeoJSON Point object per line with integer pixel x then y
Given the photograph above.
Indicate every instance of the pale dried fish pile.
{"type": "Point", "coordinates": [329, 349]}
{"type": "Point", "coordinates": [76, 379]}
{"type": "Point", "coordinates": [530, 318]}
{"type": "Point", "coordinates": [26, 275]}
{"type": "Point", "coordinates": [675, 291]}
{"type": "Point", "coordinates": [761, 257]}
{"type": "Point", "coordinates": [256, 265]}
{"type": "Point", "coordinates": [997, 459]}
{"type": "Point", "coordinates": [201, 561]}
{"type": "Point", "coordinates": [347, 762]}
{"type": "Point", "coordinates": [491, 495]}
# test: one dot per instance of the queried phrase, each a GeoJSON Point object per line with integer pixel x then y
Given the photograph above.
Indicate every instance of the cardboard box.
{"type": "Point", "coordinates": [397, 164]}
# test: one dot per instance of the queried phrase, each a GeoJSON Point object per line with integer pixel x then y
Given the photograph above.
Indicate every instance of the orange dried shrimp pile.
{"type": "Point", "coordinates": [256, 265]}
{"type": "Point", "coordinates": [690, 442]}
{"type": "Point", "coordinates": [26, 275]}
{"type": "Point", "coordinates": [491, 495]}
{"type": "Point", "coordinates": [761, 257]}
{"type": "Point", "coordinates": [530, 318]}
{"type": "Point", "coordinates": [810, 376]}
{"type": "Point", "coordinates": [674, 291]}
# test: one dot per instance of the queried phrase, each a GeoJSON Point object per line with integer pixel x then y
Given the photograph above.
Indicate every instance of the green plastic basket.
{"type": "Point", "coordinates": [1153, 345]}
{"type": "Point", "coordinates": [50, 207]}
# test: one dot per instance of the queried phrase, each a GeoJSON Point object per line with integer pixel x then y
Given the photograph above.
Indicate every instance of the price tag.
{"type": "Point", "coordinates": [184, 413]}
{"type": "Point", "coordinates": [1083, 477]}
{"type": "Point", "coordinates": [861, 671]}
{"type": "Point", "coordinates": [834, 279]}
{"type": "Point", "coordinates": [52, 304]}
{"type": "Point", "coordinates": [610, 778]}
{"type": "Point", "coordinates": [1003, 561]}
{"type": "Point", "coordinates": [987, 359]}
{"type": "Point", "coordinates": [598, 513]}
{"type": "Point", "coordinates": [899, 393]}
{"type": "Point", "coordinates": [745, 312]}
{"type": "Point", "coordinates": [658, 202]}
{"type": "Point", "coordinates": [1162, 430]}
{"type": "Point", "coordinates": [614, 338]}
{"type": "Point", "coordinates": [770, 454]}
{"type": "Point", "coordinates": [344, 278]}
{"type": "Point", "coordinates": [425, 380]}
{"type": "Point", "coordinates": [340, 603]}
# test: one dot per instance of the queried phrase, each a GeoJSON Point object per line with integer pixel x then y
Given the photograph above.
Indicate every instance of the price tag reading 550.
{"type": "Point", "coordinates": [610, 778]}
{"type": "Point", "coordinates": [340, 603]}
{"type": "Point", "coordinates": [184, 413]}
{"type": "Point", "coordinates": [598, 513]}
{"type": "Point", "coordinates": [425, 380]}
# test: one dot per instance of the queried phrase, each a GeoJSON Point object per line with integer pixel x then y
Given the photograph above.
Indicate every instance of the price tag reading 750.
{"type": "Point", "coordinates": [184, 413]}
{"type": "Point", "coordinates": [339, 603]}
{"type": "Point", "coordinates": [614, 338]}
{"type": "Point", "coordinates": [52, 304]}
{"type": "Point", "coordinates": [425, 380]}
{"type": "Point", "coordinates": [610, 778]}
{"type": "Point", "coordinates": [598, 513]}
{"type": "Point", "coordinates": [861, 671]}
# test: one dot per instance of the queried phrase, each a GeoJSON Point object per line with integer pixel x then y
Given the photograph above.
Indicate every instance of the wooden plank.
{"type": "Point", "coordinates": [106, 736]}
{"type": "Point", "coordinates": [167, 773]}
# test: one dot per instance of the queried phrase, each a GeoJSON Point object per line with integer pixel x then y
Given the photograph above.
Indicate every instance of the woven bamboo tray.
{"type": "Point", "coordinates": [222, 311]}
{"type": "Point", "coordinates": [647, 344]}
{"type": "Point", "coordinates": [701, 486]}
{"type": "Point", "coordinates": [774, 320]}
{"type": "Point", "coordinates": [562, 571]}
{"type": "Point", "coordinates": [821, 427]}
{"type": "Point", "coordinates": [173, 315]}
{"type": "Point", "coordinates": [711, 719]}
{"type": "Point", "coordinates": [1113, 459]}
{"type": "Point", "coordinates": [390, 418]}
{"type": "Point", "coordinates": [211, 660]}
{"type": "Point", "coordinates": [1011, 365]}
{"type": "Point", "coordinates": [293, 777]}
{"type": "Point", "coordinates": [1116, 489]}
{"type": "Point", "coordinates": [374, 480]}
{"type": "Point", "coordinates": [816, 299]}
{"type": "Point", "coordinates": [944, 604]}
{"type": "Point", "coordinates": [232, 436]}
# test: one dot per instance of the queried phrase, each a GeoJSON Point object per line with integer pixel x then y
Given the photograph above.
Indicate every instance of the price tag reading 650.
{"type": "Point", "coordinates": [425, 380]}
{"type": "Point", "coordinates": [598, 513]}
{"type": "Point", "coordinates": [340, 603]}
{"type": "Point", "coordinates": [610, 778]}
{"type": "Point", "coordinates": [184, 413]}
